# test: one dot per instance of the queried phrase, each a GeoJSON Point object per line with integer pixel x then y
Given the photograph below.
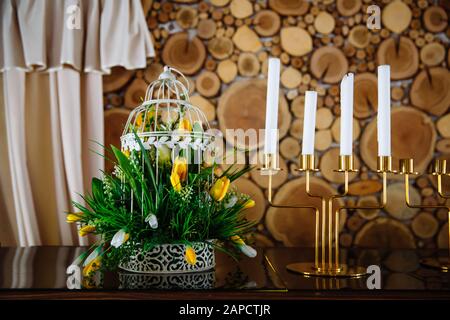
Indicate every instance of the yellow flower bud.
{"type": "Point", "coordinates": [190, 256]}
{"type": "Point", "coordinates": [185, 125]}
{"type": "Point", "coordinates": [179, 172]}
{"type": "Point", "coordinates": [238, 240]}
{"type": "Point", "coordinates": [220, 188]}
{"type": "Point", "coordinates": [85, 230]}
{"type": "Point", "coordinates": [249, 204]}
{"type": "Point", "coordinates": [73, 217]}
{"type": "Point", "coordinates": [148, 117]}
{"type": "Point", "coordinates": [175, 181]}
{"type": "Point", "coordinates": [139, 120]}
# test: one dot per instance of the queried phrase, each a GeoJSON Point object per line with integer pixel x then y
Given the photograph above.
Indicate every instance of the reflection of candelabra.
{"type": "Point", "coordinates": [327, 264]}
{"type": "Point", "coordinates": [438, 169]}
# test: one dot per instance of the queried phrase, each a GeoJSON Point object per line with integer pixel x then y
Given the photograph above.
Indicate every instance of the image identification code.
{"type": "Point", "coordinates": [227, 309]}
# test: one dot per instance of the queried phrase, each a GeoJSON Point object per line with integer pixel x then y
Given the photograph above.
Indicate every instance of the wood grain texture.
{"type": "Point", "coordinates": [242, 106]}
{"type": "Point", "coordinates": [317, 42]}
{"type": "Point", "coordinates": [284, 223]}
{"type": "Point", "coordinates": [418, 130]}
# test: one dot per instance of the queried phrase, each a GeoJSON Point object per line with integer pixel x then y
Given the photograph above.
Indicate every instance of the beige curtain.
{"type": "Point", "coordinates": [51, 106]}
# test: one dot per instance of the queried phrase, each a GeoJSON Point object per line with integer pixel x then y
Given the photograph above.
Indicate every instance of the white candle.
{"type": "Point", "coordinates": [309, 122]}
{"type": "Point", "coordinates": [347, 115]}
{"type": "Point", "coordinates": [384, 111]}
{"type": "Point", "coordinates": [273, 86]}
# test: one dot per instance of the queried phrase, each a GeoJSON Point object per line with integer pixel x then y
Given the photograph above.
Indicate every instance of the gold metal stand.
{"type": "Point", "coordinates": [270, 168]}
{"type": "Point", "coordinates": [438, 169]}
{"type": "Point", "coordinates": [327, 264]}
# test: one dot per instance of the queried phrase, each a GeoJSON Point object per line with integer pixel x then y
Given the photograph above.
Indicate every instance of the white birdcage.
{"type": "Point", "coordinates": [162, 118]}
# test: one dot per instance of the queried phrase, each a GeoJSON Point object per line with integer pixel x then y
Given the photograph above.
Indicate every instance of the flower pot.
{"type": "Point", "coordinates": [183, 281]}
{"type": "Point", "coordinates": [170, 258]}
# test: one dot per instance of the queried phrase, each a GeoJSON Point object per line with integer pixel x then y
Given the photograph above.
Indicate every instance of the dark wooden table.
{"type": "Point", "coordinates": [40, 272]}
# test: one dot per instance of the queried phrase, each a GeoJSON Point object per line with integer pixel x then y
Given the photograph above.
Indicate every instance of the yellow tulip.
{"type": "Point", "coordinates": [85, 230]}
{"type": "Point", "coordinates": [148, 118]}
{"type": "Point", "coordinates": [139, 120]}
{"type": "Point", "coordinates": [175, 181]}
{"type": "Point", "coordinates": [73, 217]}
{"type": "Point", "coordinates": [179, 173]}
{"type": "Point", "coordinates": [190, 256]}
{"type": "Point", "coordinates": [185, 125]}
{"type": "Point", "coordinates": [92, 266]}
{"type": "Point", "coordinates": [249, 204]}
{"type": "Point", "coordinates": [220, 188]}
{"type": "Point", "coordinates": [237, 240]}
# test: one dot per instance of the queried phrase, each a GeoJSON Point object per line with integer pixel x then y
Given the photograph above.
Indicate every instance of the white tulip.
{"type": "Point", "coordinates": [152, 221]}
{"type": "Point", "coordinates": [119, 238]}
{"type": "Point", "coordinates": [248, 251]}
{"type": "Point", "coordinates": [231, 201]}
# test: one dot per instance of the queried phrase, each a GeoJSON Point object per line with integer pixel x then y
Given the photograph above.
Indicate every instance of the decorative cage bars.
{"type": "Point", "coordinates": [166, 125]}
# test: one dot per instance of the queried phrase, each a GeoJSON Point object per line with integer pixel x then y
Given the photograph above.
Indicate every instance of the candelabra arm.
{"type": "Point", "coordinates": [439, 185]}
{"type": "Point", "coordinates": [316, 212]}
{"type": "Point", "coordinates": [269, 199]}
{"type": "Point", "coordinates": [337, 219]}
{"type": "Point", "coordinates": [408, 200]}
{"type": "Point", "coordinates": [407, 168]}
{"type": "Point", "coordinates": [338, 210]}
{"type": "Point", "coordinates": [324, 208]}
{"type": "Point", "coordinates": [382, 204]}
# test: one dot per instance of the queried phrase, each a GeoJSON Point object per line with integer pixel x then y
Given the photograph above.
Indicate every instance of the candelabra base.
{"type": "Point", "coordinates": [308, 269]}
{"type": "Point", "coordinates": [443, 263]}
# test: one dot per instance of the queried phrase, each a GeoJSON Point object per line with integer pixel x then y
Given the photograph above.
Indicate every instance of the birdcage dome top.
{"type": "Point", "coordinates": [166, 117]}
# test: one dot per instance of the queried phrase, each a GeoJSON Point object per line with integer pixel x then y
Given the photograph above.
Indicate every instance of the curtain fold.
{"type": "Point", "coordinates": [52, 105]}
{"type": "Point", "coordinates": [14, 95]}
{"type": "Point", "coordinates": [36, 35]}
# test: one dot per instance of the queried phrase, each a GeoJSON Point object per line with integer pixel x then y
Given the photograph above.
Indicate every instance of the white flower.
{"type": "Point", "coordinates": [119, 238]}
{"type": "Point", "coordinates": [231, 201]}
{"type": "Point", "coordinates": [94, 254]}
{"type": "Point", "coordinates": [152, 221]}
{"type": "Point", "coordinates": [118, 172]}
{"type": "Point", "coordinates": [248, 251]}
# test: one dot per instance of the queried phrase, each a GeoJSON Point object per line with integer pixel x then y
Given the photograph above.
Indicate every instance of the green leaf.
{"type": "Point", "coordinates": [97, 189]}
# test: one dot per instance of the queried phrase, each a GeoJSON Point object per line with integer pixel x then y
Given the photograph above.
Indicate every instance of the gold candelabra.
{"type": "Point", "coordinates": [439, 169]}
{"type": "Point", "coordinates": [327, 264]}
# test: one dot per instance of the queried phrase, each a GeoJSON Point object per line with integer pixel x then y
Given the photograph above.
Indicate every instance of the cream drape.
{"type": "Point", "coordinates": [51, 107]}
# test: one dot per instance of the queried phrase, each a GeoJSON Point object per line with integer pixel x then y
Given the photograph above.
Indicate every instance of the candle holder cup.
{"type": "Point", "coordinates": [438, 169]}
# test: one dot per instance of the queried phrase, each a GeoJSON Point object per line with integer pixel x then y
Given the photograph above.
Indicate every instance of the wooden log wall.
{"type": "Point", "coordinates": [223, 47]}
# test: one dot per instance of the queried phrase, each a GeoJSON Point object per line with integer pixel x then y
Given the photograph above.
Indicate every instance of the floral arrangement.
{"type": "Point", "coordinates": [154, 198]}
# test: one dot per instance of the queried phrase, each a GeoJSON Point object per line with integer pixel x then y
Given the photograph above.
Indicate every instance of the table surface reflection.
{"type": "Point", "coordinates": [43, 270]}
